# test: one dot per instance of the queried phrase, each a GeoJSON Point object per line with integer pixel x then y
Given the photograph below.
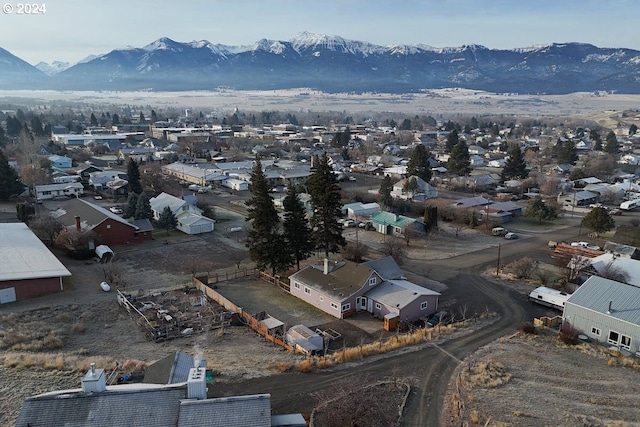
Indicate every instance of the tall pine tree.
{"type": "Point", "coordinates": [327, 208]}
{"type": "Point", "coordinates": [385, 191]}
{"type": "Point", "coordinates": [295, 227]}
{"type": "Point", "coordinates": [452, 141]}
{"type": "Point", "coordinates": [419, 163]}
{"type": "Point", "coordinates": [516, 166]}
{"type": "Point", "coordinates": [10, 184]}
{"type": "Point", "coordinates": [133, 173]}
{"type": "Point", "coordinates": [459, 161]}
{"type": "Point", "coordinates": [611, 145]}
{"type": "Point", "coordinates": [143, 207]}
{"type": "Point", "coordinates": [264, 240]}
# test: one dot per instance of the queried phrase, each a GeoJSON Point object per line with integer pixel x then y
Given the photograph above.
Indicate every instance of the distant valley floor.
{"type": "Point", "coordinates": [445, 102]}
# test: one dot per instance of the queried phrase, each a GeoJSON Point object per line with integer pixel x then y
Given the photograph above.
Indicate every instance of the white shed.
{"type": "Point", "coordinates": [236, 184]}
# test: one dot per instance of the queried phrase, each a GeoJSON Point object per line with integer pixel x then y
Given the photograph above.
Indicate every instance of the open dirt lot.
{"type": "Point", "coordinates": [536, 380]}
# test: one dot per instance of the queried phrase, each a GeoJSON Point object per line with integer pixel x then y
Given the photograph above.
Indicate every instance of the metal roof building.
{"type": "Point", "coordinates": [27, 267]}
{"type": "Point", "coordinates": [606, 311]}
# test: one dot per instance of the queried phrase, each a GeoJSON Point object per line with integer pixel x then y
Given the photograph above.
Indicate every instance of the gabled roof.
{"type": "Point", "coordinates": [607, 261]}
{"type": "Point", "coordinates": [388, 218]}
{"type": "Point", "coordinates": [596, 293]}
{"type": "Point", "coordinates": [90, 215]}
{"type": "Point", "coordinates": [398, 293]}
{"type": "Point", "coordinates": [24, 256]}
{"type": "Point", "coordinates": [386, 267]}
{"type": "Point", "coordinates": [345, 279]}
{"type": "Point", "coordinates": [190, 218]}
{"type": "Point", "coordinates": [163, 200]}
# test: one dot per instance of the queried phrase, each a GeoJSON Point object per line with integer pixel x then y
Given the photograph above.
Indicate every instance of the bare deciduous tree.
{"type": "Point", "coordinates": [394, 247]}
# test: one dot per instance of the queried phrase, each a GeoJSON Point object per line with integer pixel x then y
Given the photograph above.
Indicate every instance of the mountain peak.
{"type": "Point", "coordinates": [164, 43]}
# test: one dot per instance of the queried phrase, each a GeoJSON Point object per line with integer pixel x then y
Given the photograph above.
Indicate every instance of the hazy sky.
{"type": "Point", "coordinates": [70, 30]}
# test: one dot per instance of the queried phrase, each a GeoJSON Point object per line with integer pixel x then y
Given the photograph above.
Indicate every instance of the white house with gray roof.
{"type": "Point", "coordinates": [607, 312]}
{"type": "Point", "coordinates": [190, 218]}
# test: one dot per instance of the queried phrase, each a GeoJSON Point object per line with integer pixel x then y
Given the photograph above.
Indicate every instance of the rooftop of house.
{"type": "Point", "coordinates": [618, 300]}
{"type": "Point", "coordinates": [89, 213]}
{"type": "Point", "coordinates": [343, 279]}
{"type": "Point", "coordinates": [398, 293]}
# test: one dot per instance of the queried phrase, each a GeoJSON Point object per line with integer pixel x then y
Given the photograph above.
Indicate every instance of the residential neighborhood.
{"type": "Point", "coordinates": [320, 239]}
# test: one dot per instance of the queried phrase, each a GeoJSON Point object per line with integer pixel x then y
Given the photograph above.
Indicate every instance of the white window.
{"type": "Point", "coordinates": [108, 226]}
{"type": "Point", "coordinates": [372, 281]}
{"type": "Point", "coordinates": [378, 306]}
{"type": "Point", "coordinates": [334, 305]}
{"type": "Point", "coordinates": [614, 337]}
{"type": "Point", "coordinates": [423, 306]}
{"type": "Point", "coordinates": [296, 285]}
{"type": "Point", "coordinates": [595, 331]}
{"type": "Point", "coordinates": [307, 291]}
{"type": "Point", "coordinates": [346, 307]}
{"type": "Point", "coordinates": [625, 342]}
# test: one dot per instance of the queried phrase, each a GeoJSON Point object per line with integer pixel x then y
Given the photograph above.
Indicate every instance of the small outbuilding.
{"type": "Point", "coordinates": [304, 339]}
{"type": "Point", "coordinates": [104, 253]}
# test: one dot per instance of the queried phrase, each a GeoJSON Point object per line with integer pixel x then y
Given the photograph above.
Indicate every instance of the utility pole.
{"type": "Point", "coordinates": [498, 268]}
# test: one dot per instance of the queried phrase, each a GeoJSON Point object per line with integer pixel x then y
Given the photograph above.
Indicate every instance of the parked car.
{"type": "Point", "coordinates": [353, 178]}
{"type": "Point", "coordinates": [510, 236]}
{"type": "Point", "coordinates": [349, 223]}
{"type": "Point", "coordinates": [116, 210]}
{"type": "Point", "coordinates": [97, 197]}
{"type": "Point", "coordinates": [616, 212]}
{"type": "Point", "coordinates": [499, 231]}
{"type": "Point", "coordinates": [437, 318]}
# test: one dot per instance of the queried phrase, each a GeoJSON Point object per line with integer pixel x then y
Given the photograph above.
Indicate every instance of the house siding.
{"type": "Point", "coordinates": [30, 288]}
{"type": "Point", "coordinates": [584, 320]}
{"type": "Point", "coordinates": [111, 232]}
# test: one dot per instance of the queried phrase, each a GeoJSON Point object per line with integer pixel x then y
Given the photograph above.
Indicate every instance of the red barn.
{"type": "Point", "coordinates": [110, 229]}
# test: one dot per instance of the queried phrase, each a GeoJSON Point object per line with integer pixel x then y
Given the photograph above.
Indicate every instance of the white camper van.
{"type": "Point", "coordinates": [550, 297]}
{"type": "Point", "coordinates": [630, 204]}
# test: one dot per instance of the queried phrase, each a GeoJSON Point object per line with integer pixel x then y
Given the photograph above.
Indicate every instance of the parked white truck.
{"type": "Point", "coordinates": [550, 297]}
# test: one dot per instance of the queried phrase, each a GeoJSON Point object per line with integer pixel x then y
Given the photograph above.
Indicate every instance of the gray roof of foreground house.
{"type": "Point", "coordinates": [143, 405]}
{"type": "Point", "coordinates": [596, 293]}
{"type": "Point", "coordinates": [342, 281]}
{"type": "Point", "coordinates": [398, 293]}
{"type": "Point", "coordinates": [386, 267]}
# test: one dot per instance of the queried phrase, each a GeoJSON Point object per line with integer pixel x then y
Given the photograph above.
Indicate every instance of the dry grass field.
{"type": "Point", "coordinates": [537, 380]}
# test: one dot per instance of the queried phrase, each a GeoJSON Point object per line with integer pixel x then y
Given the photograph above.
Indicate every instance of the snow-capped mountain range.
{"type": "Point", "coordinates": [334, 64]}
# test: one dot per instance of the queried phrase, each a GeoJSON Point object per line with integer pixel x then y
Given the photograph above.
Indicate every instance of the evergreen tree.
{"type": "Point", "coordinates": [633, 129]}
{"type": "Point", "coordinates": [167, 219]}
{"type": "Point", "coordinates": [406, 124]}
{"type": "Point", "coordinates": [93, 120]}
{"type": "Point", "coordinates": [10, 184]}
{"type": "Point", "coordinates": [565, 152]}
{"type": "Point", "coordinates": [516, 166]}
{"type": "Point", "coordinates": [594, 135]}
{"type": "Point", "coordinates": [265, 243]}
{"type": "Point", "coordinates": [14, 126]}
{"type": "Point", "coordinates": [410, 186]}
{"type": "Point", "coordinates": [430, 218]}
{"type": "Point", "coordinates": [452, 141]}
{"type": "Point", "coordinates": [385, 191]}
{"type": "Point", "coordinates": [598, 220]}
{"type": "Point", "coordinates": [132, 201]}
{"type": "Point", "coordinates": [296, 231]}
{"type": "Point", "coordinates": [3, 137]}
{"type": "Point", "coordinates": [143, 207]}
{"type": "Point", "coordinates": [142, 119]}
{"type": "Point", "coordinates": [115, 119]}
{"type": "Point", "coordinates": [154, 116]}
{"type": "Point", "coordinates": [537, 209]}
{"type": "Point", "coordinates": [133, 174]}
{"type": "Point", "coordinates": [459, 161]}
{"type": "Point", "coordinates": [419, 163]}
{"type": "Point", "coordinates": [326, 206]}
{"type": "Point", "coordinates": [611, 145]}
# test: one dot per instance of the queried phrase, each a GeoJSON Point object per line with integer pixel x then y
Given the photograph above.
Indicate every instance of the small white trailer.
{"type": "Point", "coordinates": [550, 297]}
{"type": "Point", "coordinates": [630, 204]}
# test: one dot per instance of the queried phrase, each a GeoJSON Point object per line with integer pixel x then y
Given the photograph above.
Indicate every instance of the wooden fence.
{"type": "Point", "coordinates": [230, 275]}
{"type": "Point", "coordinates": [251, 321]}
{"type": "Point", "coordinates": [276, 280]}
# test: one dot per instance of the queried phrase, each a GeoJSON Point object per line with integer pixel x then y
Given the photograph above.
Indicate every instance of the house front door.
{"type": "Point", "coordinates": [363, 303]}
